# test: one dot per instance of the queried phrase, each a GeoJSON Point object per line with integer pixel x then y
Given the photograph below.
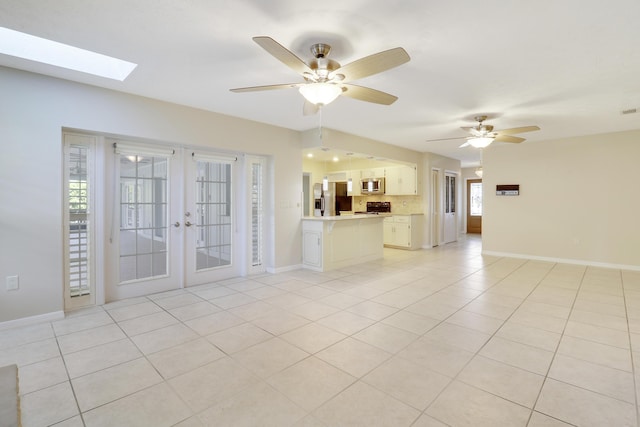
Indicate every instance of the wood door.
{"type": "Point", "coordinates": [474, 206]}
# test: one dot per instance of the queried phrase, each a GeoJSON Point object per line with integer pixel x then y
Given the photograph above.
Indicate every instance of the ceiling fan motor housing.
{"type": "Point", "coordinates": [322, 65]}
{"type": "Point", "coordinates": [320, 50]}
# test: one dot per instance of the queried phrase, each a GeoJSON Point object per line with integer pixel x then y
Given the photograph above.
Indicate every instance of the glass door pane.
{"type": "Point", "coordinates": [143, 217]}
{"type": "Point", "coordinates": [213, 214]}
{"type": "Point", "coordinates": [79, 220]}
{"type": "Point", "coordinates": [256, 213]}
{"type": "Point", "coordinates": [78, 198]}
{"type": "Point", "coordinates": [475, 199]}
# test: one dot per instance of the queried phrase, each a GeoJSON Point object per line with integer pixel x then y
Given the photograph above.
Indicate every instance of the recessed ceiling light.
{"type": "Point", "coordinates": [335, 159]}
{"type": "Point", "coordinates": [310, 155]}
{"type": "Point", "coordinates": [32, 48]}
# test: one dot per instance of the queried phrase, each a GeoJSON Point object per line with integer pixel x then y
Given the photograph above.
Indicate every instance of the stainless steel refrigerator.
{"type": "Point", "coordinates": [324, 200]}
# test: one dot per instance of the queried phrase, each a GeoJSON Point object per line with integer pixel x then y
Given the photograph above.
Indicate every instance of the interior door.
{"type": "Point", "coordinates": [435, 208]}
{"type": "Point", "coordinates": [450, 208]}
{"type": "Point", "coordinates": [474, 206]}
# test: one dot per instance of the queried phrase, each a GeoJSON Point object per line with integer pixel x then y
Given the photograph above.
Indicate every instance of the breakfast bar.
{"type": "Point", "coordinates": [332, 242]}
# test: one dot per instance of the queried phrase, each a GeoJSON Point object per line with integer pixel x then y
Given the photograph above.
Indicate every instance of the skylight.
{"type": "Point", "coordinates": [26, 46]}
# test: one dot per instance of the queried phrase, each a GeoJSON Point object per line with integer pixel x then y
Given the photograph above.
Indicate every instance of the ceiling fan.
{"type": "Point", "coordinates": [325, 79]}
{"type": "Point", "coordinates": [482, 135]}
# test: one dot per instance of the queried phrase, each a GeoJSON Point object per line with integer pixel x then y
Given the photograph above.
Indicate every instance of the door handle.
{"type": "Point", "coordinates": [187, 224]}
{"type": "Point", "coordinates": [177, 224]}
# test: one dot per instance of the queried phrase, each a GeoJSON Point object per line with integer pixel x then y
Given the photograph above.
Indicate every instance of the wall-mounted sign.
{"type": "Point", "coordinates": [508, 190]}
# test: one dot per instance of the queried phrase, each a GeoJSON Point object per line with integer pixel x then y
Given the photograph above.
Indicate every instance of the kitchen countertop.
{"type": "Point", "coordinates": [344, 217]}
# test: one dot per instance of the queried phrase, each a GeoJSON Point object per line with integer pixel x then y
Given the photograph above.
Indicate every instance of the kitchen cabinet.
{"type": "Point", "coordinates": [312, 247]}
{"type": "Point", "coordinates": [337, 177]}
{"type": "Point", "coordinates": [355, 178]}
{"type": "Point", "coordinates": [403, 231]}
{"type": "Point", "coordinates": [401, 181]}
{"type": "Point", "coordinates": [372, 173]}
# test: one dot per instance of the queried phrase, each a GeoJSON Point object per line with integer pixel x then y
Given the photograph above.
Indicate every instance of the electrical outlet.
{"type": "Point", "coordinates": [12, 283]}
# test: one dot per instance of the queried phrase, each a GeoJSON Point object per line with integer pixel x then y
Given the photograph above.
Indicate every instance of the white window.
{"type": "Point", "coordinates": [79, 160]}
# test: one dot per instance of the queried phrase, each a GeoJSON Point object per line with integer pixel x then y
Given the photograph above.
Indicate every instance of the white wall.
{"type": "Point", "coordinates": [33, 111]}
{"type": "Point", "coordinates": [579, 200]}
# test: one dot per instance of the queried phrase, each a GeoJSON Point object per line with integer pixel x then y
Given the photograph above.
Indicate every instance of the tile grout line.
{"type": "Point", "coordinates": [555, 352]}
{"type": "Point", "coordinates": [492, 335]}
{"type": "Point", "coordinates": [66, 369]}
{"type": "Point", "coordinates": [631, 349]}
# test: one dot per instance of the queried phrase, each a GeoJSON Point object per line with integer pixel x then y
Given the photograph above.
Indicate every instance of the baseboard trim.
{"type": "Point", "coordinates": [564, 260]}
{"type": "Point", "coordinates": [31, 320]}
{"type": "Point", "coordinates": [284, 269]}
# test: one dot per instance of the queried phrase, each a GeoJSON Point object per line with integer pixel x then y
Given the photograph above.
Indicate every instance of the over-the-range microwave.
{"type": "Point", "coordinates": [372, 186]}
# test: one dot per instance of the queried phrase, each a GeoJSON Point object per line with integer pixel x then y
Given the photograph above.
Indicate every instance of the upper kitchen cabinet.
{"type": "Point", "coordinates": [355, 177]}
{"type": "Point", "coordinates": [372, 173]}
{"type": "Point", "coordinates": [337, 176]}
{"type": "Point", "coordinates": [401, 181]}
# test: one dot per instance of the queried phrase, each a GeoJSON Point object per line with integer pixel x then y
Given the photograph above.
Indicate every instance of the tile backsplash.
{"type": "Point", "coordinates": [399, 204]}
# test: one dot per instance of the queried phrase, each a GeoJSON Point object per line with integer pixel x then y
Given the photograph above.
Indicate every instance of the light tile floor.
{"type": "Point", "coordinates": [427, 338]}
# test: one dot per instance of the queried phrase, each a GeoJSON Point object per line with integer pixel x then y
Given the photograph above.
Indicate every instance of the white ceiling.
{"type": "Point", "coordinates": [568, 66]}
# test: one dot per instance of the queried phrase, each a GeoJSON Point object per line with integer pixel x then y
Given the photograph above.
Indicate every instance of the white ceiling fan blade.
{"type": "Point", "coordinates": [367, 94]}
{"type": "Point", "coordinates": [283, 54]}
{"type": "Point", "coordinates": [267, 87]}
{"type": "Point", "coordinates": [372, 64]}
{"type": "Point", "coordinates": [508, 138]}
{"type": "Point", "coordinates": [445, 139]}
{"type": "Point", "coordinates": [514, 131]}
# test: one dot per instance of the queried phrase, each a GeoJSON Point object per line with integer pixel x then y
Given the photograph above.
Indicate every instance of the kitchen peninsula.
{"type": "Point", "coordinates": [332, 242]}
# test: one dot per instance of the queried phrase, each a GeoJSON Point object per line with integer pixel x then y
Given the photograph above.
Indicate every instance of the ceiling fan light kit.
{"type": "Point", "coordinates": [320, 93]}
{"type": "Point", "coordinates": [480, 142]}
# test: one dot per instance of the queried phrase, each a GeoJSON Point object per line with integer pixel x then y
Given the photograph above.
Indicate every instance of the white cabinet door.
{"type": "Point", "coordinates": [401, 180]}
{"type": "Point", "coordinates": [397, 231]}
{"type": "Point", "coordinates": [372, 173]}
{"type": "Point", "coordinates": [312, 248]}
{"type": "Point", "coordinates": [388, 231]}
{"type": "Point", "coordinates": [337, 176]}
{"type": "Point", "coordinates": [354, 175]}
{"type": "Point", "coordinates": [403, 231]}
{"type": "Point", "coordinates": [402, 235]}
{"type": "Point", "coordinates": [392, 181]}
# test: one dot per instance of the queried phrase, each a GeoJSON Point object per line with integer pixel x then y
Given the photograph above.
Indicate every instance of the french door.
{"type": "Point", "coordinates": [209, 218]}
{"type": "Point", "coordinates": [173, 220]}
